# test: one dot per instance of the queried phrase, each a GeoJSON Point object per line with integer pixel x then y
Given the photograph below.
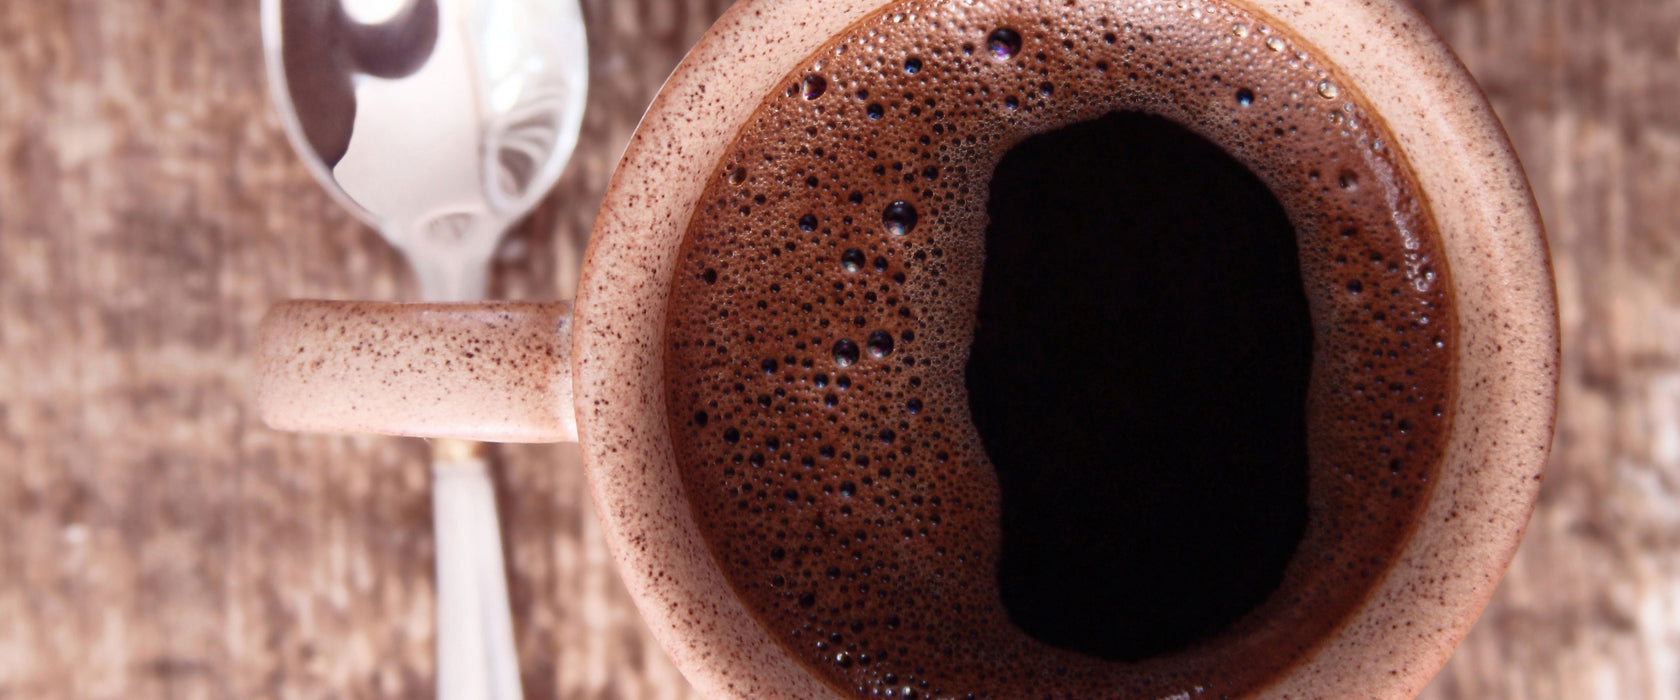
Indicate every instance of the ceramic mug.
{"type": "Point", "coordinates": [594, 372]}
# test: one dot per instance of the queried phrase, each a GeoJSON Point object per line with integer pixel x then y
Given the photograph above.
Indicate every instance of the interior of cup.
{"type": "Point", "coordinates": [1506, 370]}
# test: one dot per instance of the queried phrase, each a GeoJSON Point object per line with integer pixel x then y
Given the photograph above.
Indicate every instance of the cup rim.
{"type": "Point", "coordinates": [1492, 238]}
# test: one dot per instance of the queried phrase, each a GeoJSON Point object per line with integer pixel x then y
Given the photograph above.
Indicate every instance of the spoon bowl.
{"type": "Point", "coordinates": [437, 122]}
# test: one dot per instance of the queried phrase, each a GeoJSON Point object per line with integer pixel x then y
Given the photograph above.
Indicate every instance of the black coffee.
{"type": "Point", "coordinates": [1139, 363]}
{"type": "Point", "coordinates": [1141, 405]}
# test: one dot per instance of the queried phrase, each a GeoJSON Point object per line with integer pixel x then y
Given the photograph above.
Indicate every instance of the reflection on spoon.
{"type": "Point", "coordinates": [323, 47]}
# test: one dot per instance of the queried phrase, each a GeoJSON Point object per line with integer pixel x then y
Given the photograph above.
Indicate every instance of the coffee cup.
{"type": "Point", "coordinates": [777, 361]}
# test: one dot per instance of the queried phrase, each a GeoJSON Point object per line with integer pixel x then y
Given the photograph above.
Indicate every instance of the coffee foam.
{"type": "Point", "coordinates": [818, 332]}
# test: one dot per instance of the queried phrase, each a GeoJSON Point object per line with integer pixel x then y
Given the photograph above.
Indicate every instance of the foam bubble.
{"type": "Point", "coordinates": [814, 86]}
{"type": "Point", "coordinates": [845, 352]}
{"type": "Point", "coordinates": [900, 217]}
{"type": "Point", "coordinates": [1003, 43]}
{"type": "Point", "coordinates": [880, 344]}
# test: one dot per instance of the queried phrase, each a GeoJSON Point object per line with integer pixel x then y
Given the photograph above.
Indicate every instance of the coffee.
{"type": "Point", "coordinates": [1140, 359]}
{"type": "Point", "coordinates": [857, 451]}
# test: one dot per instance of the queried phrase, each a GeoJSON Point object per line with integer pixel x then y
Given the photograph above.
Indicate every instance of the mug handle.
{"type": "Point", "coordinates": [489, 371]}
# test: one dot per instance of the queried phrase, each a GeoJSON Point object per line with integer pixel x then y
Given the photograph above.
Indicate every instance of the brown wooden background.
{"type": "Point", "coordinates": [155, 541]}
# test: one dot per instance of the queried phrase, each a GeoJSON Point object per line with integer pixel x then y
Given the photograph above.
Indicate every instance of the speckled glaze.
{"type": "Point", "coordinates": [1494, 243]}
{"type": "Point", "coordinates": [493, 372]}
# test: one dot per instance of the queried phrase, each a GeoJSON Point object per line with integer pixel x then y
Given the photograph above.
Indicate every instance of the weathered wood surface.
{"type": "Point", "coordinates": [155, 541]}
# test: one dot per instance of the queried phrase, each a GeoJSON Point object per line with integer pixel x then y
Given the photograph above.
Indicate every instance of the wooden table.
{"type": "Point", "coordinates": [156, 541]}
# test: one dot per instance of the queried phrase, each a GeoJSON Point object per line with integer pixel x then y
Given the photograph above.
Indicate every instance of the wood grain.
{"type": "Point", "coordinates": [156, 541]}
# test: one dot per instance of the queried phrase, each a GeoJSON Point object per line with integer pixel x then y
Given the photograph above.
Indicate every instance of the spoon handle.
{"type": "Point", "coordinates": [476, 659]}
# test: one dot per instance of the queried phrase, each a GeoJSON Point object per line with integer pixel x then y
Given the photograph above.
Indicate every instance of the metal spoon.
{"type": "Point", "coordinates": [440, 123]}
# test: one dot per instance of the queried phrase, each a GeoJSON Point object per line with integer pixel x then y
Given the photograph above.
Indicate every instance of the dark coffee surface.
{"type": "Point", "coordinates": [819, 336]}
{"type": "Point", "coordinates": [1138, 378]}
